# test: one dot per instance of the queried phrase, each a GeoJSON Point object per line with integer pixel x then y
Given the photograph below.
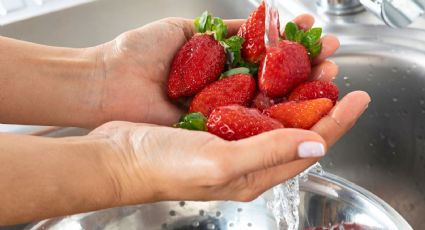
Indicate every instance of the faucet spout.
{"type": "Point", "coordinates": [395, 13]}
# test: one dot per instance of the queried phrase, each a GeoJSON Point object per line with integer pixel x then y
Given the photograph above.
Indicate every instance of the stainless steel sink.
{"type": "Point", "coordinates": [384, 153]}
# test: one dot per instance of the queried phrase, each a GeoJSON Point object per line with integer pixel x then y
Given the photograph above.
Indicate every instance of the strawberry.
{"type": "Point", "coordinates": [283, 68]}
{"type": "Point", "coordinates": [200, 61]}
{"type": "Point", "coordinates": [252, 31]}
{"type": "Point", "coordinates": [237, 89]}
{"type": "Point", "coordinates": [263, 102]}
{"type": "Point", "coordinates": [300, 114]}
{"type": "Point", "coordinates": [236, 122]}
{"type": "Point", "coordinates": [314, 90]}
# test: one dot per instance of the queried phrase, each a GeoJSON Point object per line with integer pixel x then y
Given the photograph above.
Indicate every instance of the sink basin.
{"type": "Point", "coordinates": [385, 151]}
{"type": "Point", "coordinates": [325, 200]}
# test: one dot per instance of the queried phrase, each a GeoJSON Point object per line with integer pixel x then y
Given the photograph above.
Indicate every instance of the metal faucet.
{"type": "Point", "coordinates": [395, 13]}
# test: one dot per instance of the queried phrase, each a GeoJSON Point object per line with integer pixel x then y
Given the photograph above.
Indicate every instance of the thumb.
{"type": "Point", "coordinates": [273, 149]}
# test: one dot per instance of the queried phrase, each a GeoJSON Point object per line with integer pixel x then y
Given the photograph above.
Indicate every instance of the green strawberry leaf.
{"type": "Point", "coordinates": [240, 70]}
{"type": "Point", "coordinates": [253, 68]}
{"type": "Point", "coordinates": [309, 39]}
{"type": "Point", "coordinates": [290, 31]}
{"type": "Point", "coordinates": [233, 47]}
{"type": "Point", "coordinates": [209, 24]}
{"type": "Point", "coordinates": [203, 23]}
{"type": "Point", "coordinates": [193, 121]}
{"type": "Point", "coordinates": [219, 29]}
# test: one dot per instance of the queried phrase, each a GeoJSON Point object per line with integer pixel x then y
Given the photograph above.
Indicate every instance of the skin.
{"type": "Point", "coordinates": [123, 163]}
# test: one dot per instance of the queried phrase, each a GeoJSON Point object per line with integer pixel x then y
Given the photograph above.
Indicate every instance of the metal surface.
{"type": "Point", "coordinates": [325, 200]}
{"type": "Point", "coordinates": [385, 151]}
{"type": "Point", "coordinates": [340, 7]}
{"type": "Point", "coordinates": [395, 13]}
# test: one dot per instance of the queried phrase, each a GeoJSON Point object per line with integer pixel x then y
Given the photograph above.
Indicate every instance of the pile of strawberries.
{"type": "Point", "coordinates": [240, 88]}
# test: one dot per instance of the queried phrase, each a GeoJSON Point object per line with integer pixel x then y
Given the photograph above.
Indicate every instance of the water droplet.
{"type": "Point", "coordinates": [239, 209]}
{"type": "Point", "coordinates": [368, 166]}
{"type": "Point", "coordinates": [249, 225]}
{"type": "Point", "coordinates": [423, 111]}
{"type": "Point", "coordinates": [371, 144]}
{"type": "Point", "coordinates": [210, 226]}
{"type": "Point", "coordinates": [231, 225]}
{"type": "Point", "coordinates": [395, 99]}
{"type": "Point", "coordinates": [394, 69]}
{"type": "Point", "coordinates": [408, 71]}
{"type": "Point", "coordinates": [391, 143]}
{"type": "Point", "coordinates": [201, 212]}
{"type": "Point", "coordinates": [394, 153]}
{"type": "Point", "coordinates": [382, 136]}
{"type": "Point", "coordinates": [195, 224]}
{"type": "Point", "coordinates": [414, 66]}
{"type": "Point", "coordinates": [218, 214]}
{"type": "Point", "coordinates": [182, 203]}
{"type": "Point", "coordinates": [422, 102]}
{"type": "Point", "coordinates": [403, 89]}
{"type": "Point", "coordinates": [404, 77]}
{"type": "Point", "coordinates": [346, 78]}
{"type": "Point", "coordinates": [347, 84]}
{"type": "Point", "coordinates": [172, 213]}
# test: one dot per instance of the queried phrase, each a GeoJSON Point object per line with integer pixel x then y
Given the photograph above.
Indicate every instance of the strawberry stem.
{"type": "Point", "coordinates": [193, 121]}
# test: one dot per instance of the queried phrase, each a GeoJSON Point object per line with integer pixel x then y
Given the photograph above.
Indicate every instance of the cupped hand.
{"type": "Point", "coordinates": [153, 163]}
{"type": "Point", "coordinates": [136, 64]}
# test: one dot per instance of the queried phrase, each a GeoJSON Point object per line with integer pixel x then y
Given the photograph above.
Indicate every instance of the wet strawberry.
{"type": "Point", "coordinates": [237, 89]}
{"type": "Point", "coordinates": [262, 101]}
{"type": "Point", "coordinates": [201, 60]}
{"type": "Point", "coordinates": [252, 31]}
{"type": "Point", "coordinates": [283, 68]}
{"type": "Point", "coordinates": [300, 114]}
{"type": "Point", "coordinates": [198, 63]}
{"type": "Point", "coordinates": [314, 90]}
{"type": "Point", "coordinates": [236, 122]}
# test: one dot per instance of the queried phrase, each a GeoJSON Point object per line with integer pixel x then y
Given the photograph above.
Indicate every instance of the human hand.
{"type": "Point", "coordinates": [137, 63]}
{"type": "Point", "coordinates": [152, 163]}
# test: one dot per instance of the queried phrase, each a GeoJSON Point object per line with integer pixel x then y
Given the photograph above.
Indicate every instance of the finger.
{"type": "Point", "coordinates": [331, 128]}
{"type": "Point", "coordinates": [233, 26]}
{"type": "Point", "coordinates": [271, 149]}
{"type": "Point", "coordinates": [304, 21]}
{"type": "Point", "coordinates": [325, 71]}
{"type": "Point", "coordinates": [342, 117]}
{"type": "Point", "coordinates": [330, 45]}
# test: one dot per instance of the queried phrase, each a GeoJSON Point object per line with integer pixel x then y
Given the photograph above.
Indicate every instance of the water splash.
{"type": "Point", "coordinates": [286, 200]}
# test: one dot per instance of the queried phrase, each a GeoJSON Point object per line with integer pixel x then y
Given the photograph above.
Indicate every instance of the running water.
{"type": "Point", "coordinates": [271, 37]}
{"type": "Point", "coordinates": [286, 200]}
{"type": "Point", "coordinates": [286, 197]}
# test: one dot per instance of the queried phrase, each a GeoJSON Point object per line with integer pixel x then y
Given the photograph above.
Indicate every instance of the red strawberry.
{"type": "Point", "coordinates": [314, 90]}
{"type": "Point", "coordinates": [300, 114]}
{"type": "Point", "coordinates": [253, 30]}
{"type": "Point", "coordinates": [198, 63]}
{"type": "Point", "coordinates": [283, 68]}
{"type": "Point", "coordinates": [236, 122]}
{"type": "Point", "coordinates": [262, 101]}
{"type": "Point", "coordinates": [237, 89]}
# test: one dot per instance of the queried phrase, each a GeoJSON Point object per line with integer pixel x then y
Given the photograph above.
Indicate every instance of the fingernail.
{"type": "Point", "coordinates": [311, 149]}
